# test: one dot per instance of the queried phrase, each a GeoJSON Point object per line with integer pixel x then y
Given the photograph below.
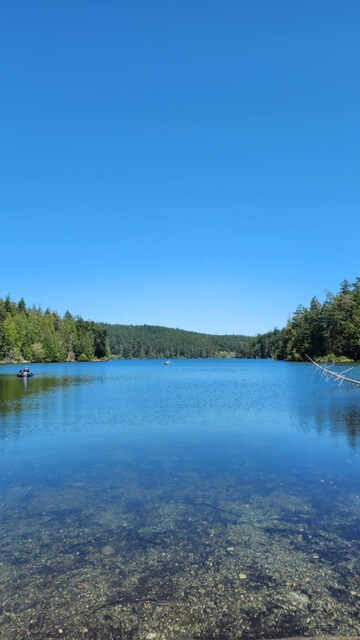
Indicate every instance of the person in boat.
{"type": "Point", "coordinates": [25, 373]}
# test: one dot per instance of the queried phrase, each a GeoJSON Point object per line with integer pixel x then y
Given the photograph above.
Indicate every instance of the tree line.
{"type": "Point", "coordinates": [328, 330]}
{"type": "Point", "coordinates": [30, 334]}
{"type": "Point", "coordinates": [147, 341]}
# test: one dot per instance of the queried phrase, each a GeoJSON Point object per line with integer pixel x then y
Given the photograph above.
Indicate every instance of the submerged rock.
{"type": "Point", "coordinates": [295, 600]}
{"type": "Point", "coordinates": [107, 550]}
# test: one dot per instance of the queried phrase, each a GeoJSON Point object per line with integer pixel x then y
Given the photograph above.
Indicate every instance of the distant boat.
{"type": "Point", "coordinates": [167, 362]}
{"type": "Point", "coordinates": [25, 373]}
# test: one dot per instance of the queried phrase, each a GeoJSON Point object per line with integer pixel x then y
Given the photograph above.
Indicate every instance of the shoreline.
{"type": "Point", "coordinates": [321, 360]}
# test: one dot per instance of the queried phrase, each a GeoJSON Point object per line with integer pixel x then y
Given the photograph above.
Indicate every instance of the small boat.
{"type": "Point", "coordinates": [25, 373]}
{"type": "Point", "coordinates": [167, 362]}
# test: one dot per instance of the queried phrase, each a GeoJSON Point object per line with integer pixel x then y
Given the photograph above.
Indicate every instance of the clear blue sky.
{"type": "Point", "coordinates": [190, 163]}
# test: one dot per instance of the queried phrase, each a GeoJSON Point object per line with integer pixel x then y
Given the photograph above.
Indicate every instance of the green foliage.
{"type": "Point", "coordinates": [9, 336]}
{"type": "Point", "coordinates": [146, 341]}
{"type": "Point", "coordinates": [101, 346]}
{"type": "Point", "coordinates": [328, 331]}
{"type": "Point", "coordinates": [266, 345]}
{"type": "Point", "coordinates": [331, 357]}
{"type": "Point", "coordinates": [37, 353]}
{"type": "Point", "coordinates": [28, 333]}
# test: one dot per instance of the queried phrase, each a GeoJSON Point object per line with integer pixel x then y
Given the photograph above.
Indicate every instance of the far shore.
{"type": "Point", "coordinates": [321, 360]}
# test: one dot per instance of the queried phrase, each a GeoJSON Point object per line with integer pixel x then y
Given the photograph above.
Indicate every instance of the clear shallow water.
{"type": "Point", "coordinates": [212, 499]}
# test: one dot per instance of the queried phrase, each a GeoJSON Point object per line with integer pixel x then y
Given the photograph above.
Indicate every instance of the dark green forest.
{"type": "Point", "coordinates": [160, 342]}
{"type": "Point", "coordinates": [329, 330]}
{"type": "Point", "coordinates": [30, 334]}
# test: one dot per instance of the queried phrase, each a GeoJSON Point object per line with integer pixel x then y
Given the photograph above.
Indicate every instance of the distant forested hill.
{"type": "Point", "coordinates": [328, 330]}
{"type": "Point", "coordinates": [128, 341]}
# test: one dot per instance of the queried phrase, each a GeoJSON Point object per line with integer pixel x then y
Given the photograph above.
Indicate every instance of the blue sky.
{"type": "Point", "coordinates": [193, 164]}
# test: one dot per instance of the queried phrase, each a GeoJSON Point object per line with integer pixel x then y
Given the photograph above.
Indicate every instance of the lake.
{"type": "Point", "coordinates": [210, 499]}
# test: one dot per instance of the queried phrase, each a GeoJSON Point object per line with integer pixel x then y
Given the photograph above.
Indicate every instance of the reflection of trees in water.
{"type": "Point", "coordinates": [343, 420]}
{"type": "Point", "coordinates": [325, 408]}
{"type": "Point", "coordinates": [19, 394]}
{"type": "Point", "coordinates": [13, 388]}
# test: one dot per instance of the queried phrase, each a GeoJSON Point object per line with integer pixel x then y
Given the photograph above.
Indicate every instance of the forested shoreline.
{"type": "Point", "coordinates": [28, 334]}
{"type": "Point", "coordinates": [327, 331]}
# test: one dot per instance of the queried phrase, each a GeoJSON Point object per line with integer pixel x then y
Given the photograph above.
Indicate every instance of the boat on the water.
{"type": "Point", "coordinates": [167, 362]}
{"type": "Point", "coordinates": [25, 373]}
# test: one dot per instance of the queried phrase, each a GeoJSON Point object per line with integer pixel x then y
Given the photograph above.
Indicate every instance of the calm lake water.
{"type": "Point", "coordinates": [210, 499]}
